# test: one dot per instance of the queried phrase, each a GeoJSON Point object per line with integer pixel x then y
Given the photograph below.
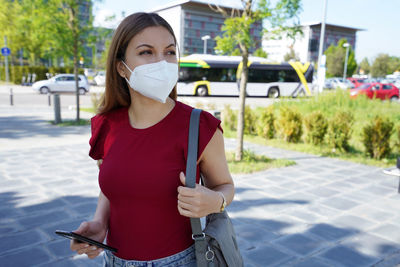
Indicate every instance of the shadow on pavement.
{"type": "Point", "coordinates": [27, 232]}
{"type": "Point", "coordinates": [18, 127]}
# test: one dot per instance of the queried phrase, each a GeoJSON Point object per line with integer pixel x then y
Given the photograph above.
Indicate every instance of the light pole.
{"type": "Point", "coordinates": [320, 75]}
{"type": "Point", "coordinates": [205, 38]}
{"type": "Point", "coordinates": [347, 45]}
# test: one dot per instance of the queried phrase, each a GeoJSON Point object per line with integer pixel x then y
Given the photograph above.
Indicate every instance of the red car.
{"type": "Point", "coordinates": [376, 90]}
{"type": "Point", "coordinates": [357, 81]}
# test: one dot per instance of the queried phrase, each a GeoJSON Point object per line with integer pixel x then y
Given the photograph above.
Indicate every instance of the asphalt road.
{"type": "Point", "coordinates": [25, 96]}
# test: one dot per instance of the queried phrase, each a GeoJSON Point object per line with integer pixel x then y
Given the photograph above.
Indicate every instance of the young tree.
{"type": "Point", "coordinates": [75, 29]}
{"type": "Point", "coordinates": [335, 59]}
{"type": "Point", "coordinates": [236, 29]}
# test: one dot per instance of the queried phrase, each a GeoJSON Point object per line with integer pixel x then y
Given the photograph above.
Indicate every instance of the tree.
{"type": "Point", "coordinates": [260, 53]}
{"type": "Point", "coordinates": [291, 55]}
{"type": "Point", "coordinates": [75, 29]}
{"type": "Point", "coordinates": [236, 29]}
{"type": "Point", "coordinates": [380, 67]}
{"type": "Point", "coordinates": [364, 66]}
{"type": "Point", "coordinates": [335, 59]}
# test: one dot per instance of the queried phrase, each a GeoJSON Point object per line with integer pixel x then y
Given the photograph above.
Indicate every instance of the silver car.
{"type": "Point", "coordinates": [62, 83]}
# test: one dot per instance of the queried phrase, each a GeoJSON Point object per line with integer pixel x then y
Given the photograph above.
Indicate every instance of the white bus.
{"type": "Point", "coordinates": [203, 75]}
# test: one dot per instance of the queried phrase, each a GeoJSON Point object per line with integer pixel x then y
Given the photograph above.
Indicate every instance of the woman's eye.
{"type": "Point", "coordinates": [171, 53]}
{"type": "Point", "coordinates": [146, 52]}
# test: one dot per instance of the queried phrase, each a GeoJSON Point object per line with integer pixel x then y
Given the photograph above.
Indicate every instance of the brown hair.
{"type": "Point", "coordinates": [116, 94]}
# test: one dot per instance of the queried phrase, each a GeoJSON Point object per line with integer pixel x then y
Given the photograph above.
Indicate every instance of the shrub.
{"type": "Point", "coordinates": [266, 123]}
{"type": "Point", "coordinates": [316, 126]}
{"type": "Point", "coordinates": [397, 142]}
{"type": "Point", "coordinates": [376, 137]}
{"type": "Point", "coordinates": [290, 124]}
{"type": "Point", "coordinates": [250, 119]}
{"type": "Point", "coordinates": [340, 130]}
{"type": "Point", "coordinates": [229, 118]}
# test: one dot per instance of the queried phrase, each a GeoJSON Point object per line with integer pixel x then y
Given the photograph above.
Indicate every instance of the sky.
{"type": "Point", "coordinates": [378, 19]}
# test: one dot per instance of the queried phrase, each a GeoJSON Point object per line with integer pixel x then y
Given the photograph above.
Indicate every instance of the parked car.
{"type": "Point", "coordinates": [62, 83]}
{"type": "Point", "coordinates": [340, 83]}
{"type": "Point", "coordinates": [100, 78]}
{"type": "Point", "coordinates": [357, 81]}
{"type": "Point", "coordinates": [376, 90]}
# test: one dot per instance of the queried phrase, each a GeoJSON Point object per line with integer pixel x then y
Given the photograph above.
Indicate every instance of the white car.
{"type": "Point", "coordinates": [62, 83]}
{"type": "Point", "coordinates": [100, 78]}
{"type": "Point", "coordinates": [339, 83]}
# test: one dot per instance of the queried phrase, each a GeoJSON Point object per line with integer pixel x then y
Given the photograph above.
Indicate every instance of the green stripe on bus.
{"type": "Point", "coordinates": [190, 65]}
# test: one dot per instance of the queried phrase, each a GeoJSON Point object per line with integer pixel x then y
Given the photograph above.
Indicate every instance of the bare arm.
{"type": "Point", "coordinates": [203, 200]}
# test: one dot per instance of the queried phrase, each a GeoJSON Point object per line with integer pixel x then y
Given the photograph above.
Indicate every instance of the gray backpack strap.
{"type": "Point", "coordinates": [191, 170]}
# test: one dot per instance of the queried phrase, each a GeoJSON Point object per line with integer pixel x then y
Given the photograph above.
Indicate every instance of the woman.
{"type": "Point", "coordinates": [140, 139]}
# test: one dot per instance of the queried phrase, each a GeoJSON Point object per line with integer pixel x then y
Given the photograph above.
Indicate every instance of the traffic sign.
{"type": "Point", "coordinates": [5, 51]}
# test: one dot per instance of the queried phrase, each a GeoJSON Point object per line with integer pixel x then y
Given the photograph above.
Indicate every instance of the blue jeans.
{"type": "Point", "coordinates": [186, 258]}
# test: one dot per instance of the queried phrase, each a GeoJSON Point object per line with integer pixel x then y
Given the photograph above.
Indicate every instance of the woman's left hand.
{"type": "Point", "coordinates": [197, 202]}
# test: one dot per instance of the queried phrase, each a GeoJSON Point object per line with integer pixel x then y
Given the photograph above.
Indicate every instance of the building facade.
{"type": "Point", "coordinates": [192, 20]}
{"type": "Point", "coordinates": [306, 46]}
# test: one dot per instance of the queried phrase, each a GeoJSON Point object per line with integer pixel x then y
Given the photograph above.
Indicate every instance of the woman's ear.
{"type": "Point", "coordinates": [121, 69]}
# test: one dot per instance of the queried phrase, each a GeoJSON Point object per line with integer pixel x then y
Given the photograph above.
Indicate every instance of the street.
{"type": "Point", "coordinates": [24, 95]}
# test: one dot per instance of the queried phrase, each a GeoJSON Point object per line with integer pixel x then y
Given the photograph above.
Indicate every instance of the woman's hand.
{"type": "Point", "coordinates": [94, 230]}
{"type": "Point", "coordinates": [197, 202]}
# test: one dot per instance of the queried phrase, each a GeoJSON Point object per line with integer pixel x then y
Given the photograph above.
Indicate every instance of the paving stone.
{"type": "Point", "coordinates": [61, 248]}
{"type": "Point", "coordinates": [330, 232]}
{"type": "Point", "coordinates": [311, 262]}
{"type": "Point", "coordinates": [43, 219]}
{"type": "Point", "coordinates": [379, 190]}
{"type": "Point", "coordinates": [323, 192]}
{"type": "Point", "coordinates": [267, 256]}
{"type": "Point", "coordinates": [372, 245]}
{"type": "Point", "coordinates": [388, 231]}
{"type": "Point", "coordinates": [300, 244]}
{"type": "Point", "coordinates": [21, 239]}
{"type": "Point", "coordinates": [340, 203]}
{"type": "Point", "coordinates": [348, 257]}
{"type": "Point", "coordinates": [350, 221]}
{"type": "Point", "coordinates": [29, 257]}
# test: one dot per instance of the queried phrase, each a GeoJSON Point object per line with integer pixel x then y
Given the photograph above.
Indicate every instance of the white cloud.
{"type": "Point", "coordinates": [102, 18]}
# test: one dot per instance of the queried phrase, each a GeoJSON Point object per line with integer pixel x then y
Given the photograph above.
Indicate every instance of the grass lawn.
{"type": "Point", "coordinates": [66, 123]}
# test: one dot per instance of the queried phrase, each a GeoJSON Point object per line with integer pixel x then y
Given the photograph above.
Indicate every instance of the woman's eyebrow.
{"type": "Point", "coordinates": [173, 45]}
{"type": "Point", "coordinates": [146, 45]}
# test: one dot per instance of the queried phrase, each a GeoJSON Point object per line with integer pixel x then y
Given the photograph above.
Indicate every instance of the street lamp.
{"type": "Point", "coordinates": [347, 45]}
{"type": "Point", "coordinates": [205, 38]}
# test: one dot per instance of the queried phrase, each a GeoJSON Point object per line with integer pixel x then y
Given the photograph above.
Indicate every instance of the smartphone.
{"type": "Point", "coordinates": [83, 239]}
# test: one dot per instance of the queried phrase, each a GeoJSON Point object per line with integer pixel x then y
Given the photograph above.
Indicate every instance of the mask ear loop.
{"type": "Point", "coordinates": [128, 69]}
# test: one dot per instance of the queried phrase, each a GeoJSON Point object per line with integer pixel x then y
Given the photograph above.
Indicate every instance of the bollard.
{"type": "Point", "coordinates": [57, 109]}
{"type": "Point", "coordinates": [11, 97]}
{"type": "Point", "coordinates": [49, 98]}
{"type": "Point", "coordinates": [216, 113]}
{"type": "Point", "coordinates": [398, 167]}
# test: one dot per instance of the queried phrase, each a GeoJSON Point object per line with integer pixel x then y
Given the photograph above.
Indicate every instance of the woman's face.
{"type": "Point", "coordinates": [151, 45]}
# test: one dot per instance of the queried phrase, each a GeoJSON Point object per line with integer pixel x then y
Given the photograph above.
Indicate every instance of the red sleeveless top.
{"type": "Point", "coordinates": [140, 176]}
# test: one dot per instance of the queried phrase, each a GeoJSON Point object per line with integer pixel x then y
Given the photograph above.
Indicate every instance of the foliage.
{"type": "Point", "coordinates": [229, 118]}
{"type": "Point", "coordinates": [340, 130]}
{"type": "Point", "coordinates": [291, 55]}
{"type": "Point", "coordinates": [397, 141]}
{"type": "Point", "coordinates": [252, 163]}
{"type": "Point", "coordinates": [260, 53]}
{"type": "Point", "coordinates": [290, 124]}
{"type": "Point", "coordinates": [376, 137]}
{"type": "Point", "coordinates": [236, 34]}
{"type": "Point", "coordinates": [365, 66]}
{"type": "Point", "coordinates": [384, 64]}
{"type": "Point", "coordinates": [316, 126]}
{"type": "Point", "coordinates": [250, 120]}
{"type": "Point", "coordinates": [335, 59]}
{"type": "Point", "coordinates": [266, 123]}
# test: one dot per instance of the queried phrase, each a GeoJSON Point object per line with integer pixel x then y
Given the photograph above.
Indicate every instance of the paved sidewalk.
{"type": "Point", "coordinates": [319, 212]}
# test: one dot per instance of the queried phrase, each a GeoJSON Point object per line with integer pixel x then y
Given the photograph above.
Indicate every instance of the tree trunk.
{"type": "Point", "coordinates": [76, 66]}
{"type": "Point", "coordinates": [242, 105]}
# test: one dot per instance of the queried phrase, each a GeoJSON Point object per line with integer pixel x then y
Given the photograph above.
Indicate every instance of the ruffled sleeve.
{"type": "Point", "coordinates": [208, 125]}
{"type": "Point", "coordinates": [99, 133]}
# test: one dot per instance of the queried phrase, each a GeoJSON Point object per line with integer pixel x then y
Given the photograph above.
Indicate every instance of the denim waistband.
{"type": "Point", "coordinates": [183, 258]}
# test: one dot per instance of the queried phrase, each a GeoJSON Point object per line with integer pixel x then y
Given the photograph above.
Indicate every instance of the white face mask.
{"type": "Point", "coordinates": [155, 80]}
